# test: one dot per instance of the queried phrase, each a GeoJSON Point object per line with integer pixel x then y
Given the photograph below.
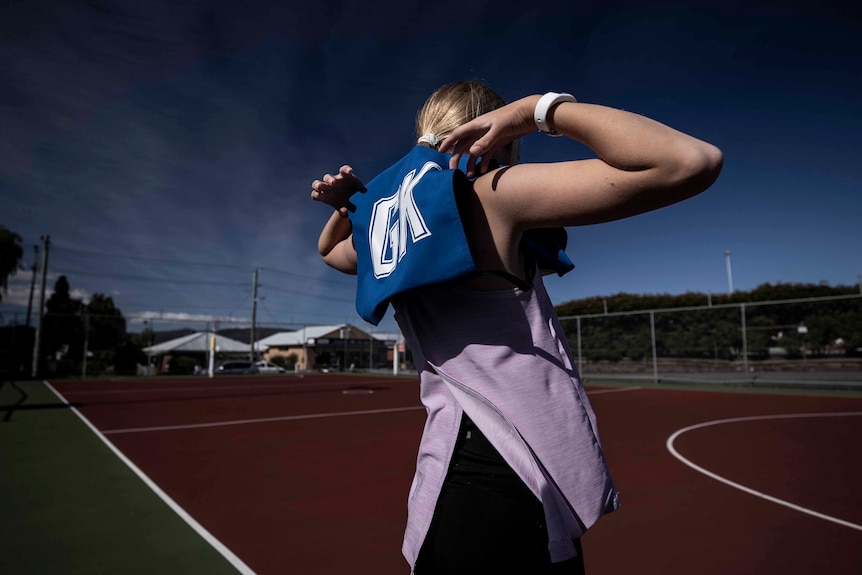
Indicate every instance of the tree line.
{"type": "Point", "coordinates": [713, 330]}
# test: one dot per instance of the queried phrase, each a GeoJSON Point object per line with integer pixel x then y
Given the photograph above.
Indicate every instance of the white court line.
{"type": "Point", "coordinates": [748, 490]}
{"type": "Point", "coordinates": [162, 390]}
{"type": "Point", "coordinates": [617, 390]}
{"type": "Point", "coordinates": [184, 515]}
{"type": "Point", "coordinates": [302, 386]}
{"type": "Point", "coordinates": [258, 420]}
{"type": "Point", "coordinates": [289, 417]}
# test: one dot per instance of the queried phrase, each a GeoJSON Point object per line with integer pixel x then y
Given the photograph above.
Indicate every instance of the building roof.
{"type": "Point", "coordinates": [197, 342]}
{"type": "Point", "coordinates": [301, 336]}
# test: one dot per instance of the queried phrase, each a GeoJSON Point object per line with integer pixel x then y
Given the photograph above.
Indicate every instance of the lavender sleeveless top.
{"type": "Point", "coordinates": [502, 357]}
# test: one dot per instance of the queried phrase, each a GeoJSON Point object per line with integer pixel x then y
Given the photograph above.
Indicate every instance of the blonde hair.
{"type": "Point", "coordinates": [455, 104]}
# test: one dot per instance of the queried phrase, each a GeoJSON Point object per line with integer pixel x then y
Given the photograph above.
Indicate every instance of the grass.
{"type": "Point", "coordinates": [70, 506]}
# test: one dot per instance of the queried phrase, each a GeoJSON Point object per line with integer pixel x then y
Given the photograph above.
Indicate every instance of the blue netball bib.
{"type": "Point", "coordinates": [408, 233]}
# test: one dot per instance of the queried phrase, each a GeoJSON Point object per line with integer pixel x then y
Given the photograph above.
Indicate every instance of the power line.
{"type": "Point", "coordinates": [147, 279]}
{"type": "Point", "coordinates": [311, 295]}
{"type": "Point", "coordinates": [243, 285]}
{"type": "Point", "coordinates": [306, 277]}
{"type": "Point", "coordinates": [196, 263]}
{"type": "Point", "coordinates": [150, 259]}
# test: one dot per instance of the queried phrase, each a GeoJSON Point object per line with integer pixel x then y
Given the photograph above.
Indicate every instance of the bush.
{"type": "Point", "coordinates": [286, 361]}
{"type": "Point", "coordinates": [181, 365]}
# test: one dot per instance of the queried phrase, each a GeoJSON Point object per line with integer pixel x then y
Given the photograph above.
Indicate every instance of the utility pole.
{"type": "Point", "coordinates": [86, 337]}
{"type": "Point", "coordinates": [253, 314]}
{"type": "Point", "coordinates": [46, 241]}
{"type": "Point", "coordinates": [32, 283]}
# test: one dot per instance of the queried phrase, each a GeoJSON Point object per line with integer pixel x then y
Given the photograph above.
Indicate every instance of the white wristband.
{"type": "Point", "coordinates": [546, 102]}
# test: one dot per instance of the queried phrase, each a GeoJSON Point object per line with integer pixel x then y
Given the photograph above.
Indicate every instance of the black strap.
{"type": "Point", "coordinates": [524, 285]}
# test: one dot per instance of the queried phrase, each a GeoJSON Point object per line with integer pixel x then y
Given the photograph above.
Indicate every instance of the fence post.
{"type": "Point", "coordinates": [37, 340]}
{"type": "Point", "coordinates": [654, 355]}
{"type": "Point", "coordinates": [744, 341]}
{"type": "Point", "coordinates": [86, 338]}
{"type": "Point", "coordinates": [580, 357]}
{"type": "Point", "coordinates": [395, 358]}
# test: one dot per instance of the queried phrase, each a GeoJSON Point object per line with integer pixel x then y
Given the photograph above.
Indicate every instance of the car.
{"type": "Point", "coordinates": [266, 367]}
{"type": "Point", "coordinates": [235, 367]}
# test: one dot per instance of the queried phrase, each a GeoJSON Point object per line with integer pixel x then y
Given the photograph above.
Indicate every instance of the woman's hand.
{"type": "Point", "coordinates": [336, 190]}
{"type": "Point", "coordinates": [486, 135]}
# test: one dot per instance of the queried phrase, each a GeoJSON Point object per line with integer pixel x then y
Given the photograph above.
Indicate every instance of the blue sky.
{"type": "Point", "coordinates": [168, 148]}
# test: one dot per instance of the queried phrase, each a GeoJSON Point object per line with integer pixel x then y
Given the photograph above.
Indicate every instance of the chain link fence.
{"type": "Point", "coordinates": [748, 342]}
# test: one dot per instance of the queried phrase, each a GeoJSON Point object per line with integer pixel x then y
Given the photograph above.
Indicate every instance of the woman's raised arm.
{"type": "Point", "coordinates": [335, 243]}
{"type": "Point", "coordinates": [642, 165]}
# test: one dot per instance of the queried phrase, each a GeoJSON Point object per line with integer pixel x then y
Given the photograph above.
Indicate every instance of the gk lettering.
{"type": "Point", "coordinates": [393, 219]}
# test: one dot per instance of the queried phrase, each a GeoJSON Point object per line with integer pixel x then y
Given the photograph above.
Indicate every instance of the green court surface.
{"type": "Point", "coordinates": [69, 505]}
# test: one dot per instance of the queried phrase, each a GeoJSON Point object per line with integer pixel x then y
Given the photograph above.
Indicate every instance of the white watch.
{"type": "Point", "coordinates": [546, 102]}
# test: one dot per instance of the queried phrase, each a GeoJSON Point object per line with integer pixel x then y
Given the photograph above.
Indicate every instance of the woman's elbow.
{"type": "Point", "coordinates": [712, 159]}
{"type": "Point", "coordinates": [699, 167]}
{"type": "Point", "coordinates": [342, 259]}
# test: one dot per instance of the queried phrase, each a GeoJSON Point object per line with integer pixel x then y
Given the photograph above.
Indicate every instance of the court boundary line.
{"type": "Point", "coordinates": [292, 417]}
{"type": "Point", "coordinates": [220, 547]}
{"type": "Point", "coordinates": [258, 420]}
{"type": "Point", "coordinates": [225, 386]}
{"type": "Point", "coordinates": [615, 390]}
{"type": "Point", "coordinates": [750, 491]}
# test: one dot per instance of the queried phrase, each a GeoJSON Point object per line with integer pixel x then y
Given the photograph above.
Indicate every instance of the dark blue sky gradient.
{"type": "Point", "coordinates": [167, 148]}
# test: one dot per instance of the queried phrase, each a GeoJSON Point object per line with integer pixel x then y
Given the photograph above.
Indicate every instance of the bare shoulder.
{"type": "Point", "coordinates": [550, 194]}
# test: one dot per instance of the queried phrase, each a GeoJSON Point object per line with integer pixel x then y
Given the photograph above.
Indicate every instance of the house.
{"type": "Point", "coordinates": [183, 354]}
{"type": "Point", "coordinates": [338, 346]}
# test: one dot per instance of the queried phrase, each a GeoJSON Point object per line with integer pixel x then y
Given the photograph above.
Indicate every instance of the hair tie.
{"type": "Point", "coordinates": [429, 139]}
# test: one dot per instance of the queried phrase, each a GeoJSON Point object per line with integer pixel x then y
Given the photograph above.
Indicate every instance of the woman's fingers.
{"type": "Point", "coordinates": [454, 160]}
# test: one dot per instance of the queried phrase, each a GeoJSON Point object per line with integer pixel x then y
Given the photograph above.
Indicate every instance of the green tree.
{"type": "Point", "coordinates": [10, 256]}
{"type": "Point", "coordinates": [63, 338]}
{"type": "Point", "coordinates": [111, 348]}
{"type": "Point", "coordinates": [107, 326]}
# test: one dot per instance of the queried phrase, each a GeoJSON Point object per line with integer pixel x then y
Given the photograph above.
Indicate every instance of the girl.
{"type": "Point", "coordinates": [510, 471]}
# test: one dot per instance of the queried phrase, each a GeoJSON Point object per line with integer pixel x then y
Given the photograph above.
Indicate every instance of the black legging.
{"type": "Point", "coordinates": [487, 519]}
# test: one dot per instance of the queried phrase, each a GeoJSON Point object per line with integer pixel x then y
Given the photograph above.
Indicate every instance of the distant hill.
{"type": "Point", "coordinates": [238, 334]}
{"type": "Point", "coordinates": [163, 336]}
{"type": "Point", "coordinates": [243, 334]}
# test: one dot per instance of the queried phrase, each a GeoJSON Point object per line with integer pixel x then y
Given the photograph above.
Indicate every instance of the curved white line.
{"type": "Point", "coordinates": [748, 490]}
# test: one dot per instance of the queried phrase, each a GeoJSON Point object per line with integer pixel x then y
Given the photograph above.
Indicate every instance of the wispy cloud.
{"type": "Point", "coordinates": [190, 132]}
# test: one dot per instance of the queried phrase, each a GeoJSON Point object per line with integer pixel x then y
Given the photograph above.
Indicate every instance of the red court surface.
{"type": "Point", "coordinates": [310, 475]}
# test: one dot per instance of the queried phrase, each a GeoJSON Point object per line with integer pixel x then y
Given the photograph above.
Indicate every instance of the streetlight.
{"type": "Point", "coordinates": [729, 273]}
